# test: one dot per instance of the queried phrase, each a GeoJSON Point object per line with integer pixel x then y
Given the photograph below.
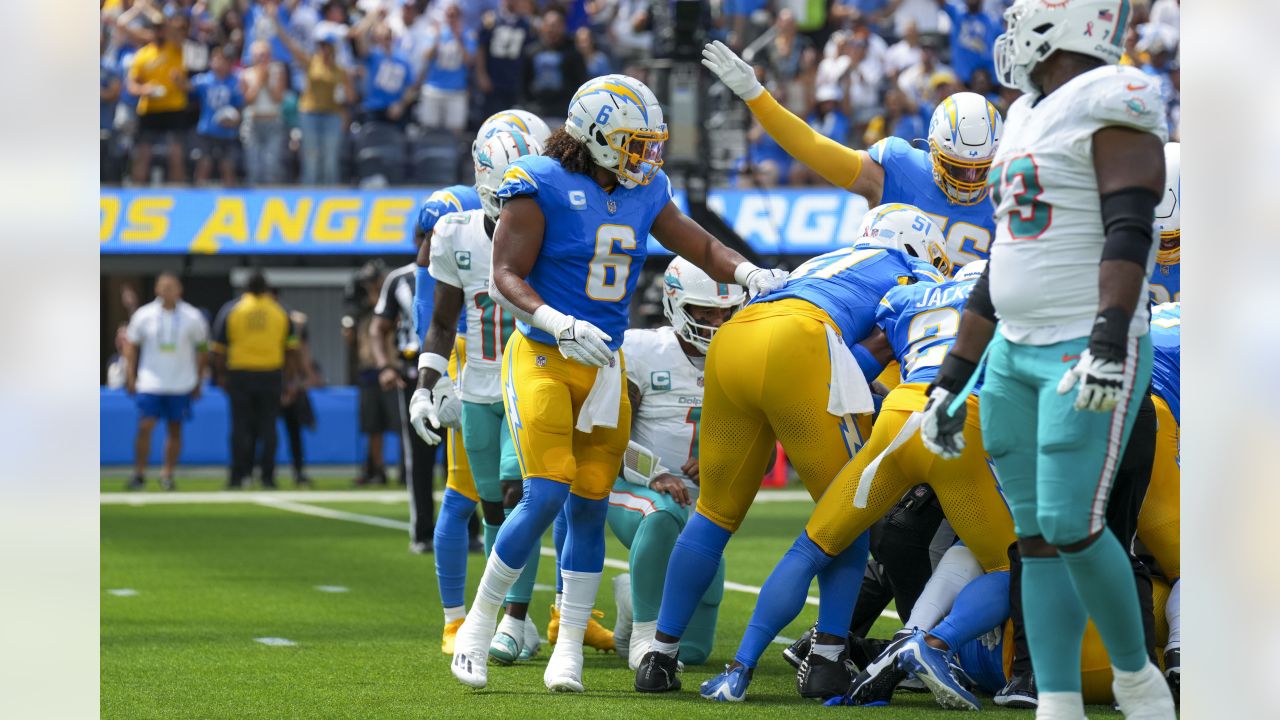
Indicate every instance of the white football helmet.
{"type": "Point", "coordinates": [492, 160]}
{"type": "Point", "coordinates": [516, 120]}
{"type": "Point", "coordinates": [686, 284]}
{"type": "Point", "coordinates": [620, 121]}
{"type": "Point", "coordinates": [1036, 29]}
{"type": "Point", "coordinates": [972, 270]}
{"type": "Point", "coordinates": [963, 134]}
{"type": "Point", "coordinates": [904, 227]}
{"type": "Point", "coordinates": [1168, 213]}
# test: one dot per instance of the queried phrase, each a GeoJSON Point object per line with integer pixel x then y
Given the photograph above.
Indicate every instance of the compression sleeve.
{"type": "Point", "coordinates": [837, 164]}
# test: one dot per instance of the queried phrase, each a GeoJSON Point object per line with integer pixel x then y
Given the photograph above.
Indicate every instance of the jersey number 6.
{"type": "Point", "coordinates": [607, 277]}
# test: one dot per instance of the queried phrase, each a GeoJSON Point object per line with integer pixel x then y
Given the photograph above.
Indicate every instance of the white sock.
{"type": "Point", "coordinates": [1173, 612]}
{"type": "Point", "coordinates": [512, 627]}
{"type": "Point", "coordinates": [559, 601]}
{"type": "Point", "coordinates": [454, 613]}
{"type": "Point", "coordinates": [669, 649]}
{"type": "Point", "coordinates": [956, 569]}
{"type": "Point", "coordinates": [642, 632]}
{"type": "Point", "coordinates": [1137, 677]}
{"type": "Point", "coordinates": [1060, 706]}
{"type": "Point", "coordinates": [494, 584]}
{"type": "Point", "coordinates": [575, 609]}
{"type": "Point", "coordinates": [830, 652]}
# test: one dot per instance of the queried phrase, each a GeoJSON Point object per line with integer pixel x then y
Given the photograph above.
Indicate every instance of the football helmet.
{"type": "Point", "coordinates": [1036, 29]}
{"type": "Point", "coordinates": [686, 284]}
{"type": "Point", "coordinates": [963, 134]}
{"type": "Point", "coordinates": [972, 270]}
{"type": "Point", "coordinates": [904, 227]}
{"type": "Point", "coordinates": [620, 121]}
{"type": "Point", "coordinates": [517, 120]}
{"type": "Point", "coordinates": [1168, 220]}
{"type": "Point", "coordinates": [492, 160]}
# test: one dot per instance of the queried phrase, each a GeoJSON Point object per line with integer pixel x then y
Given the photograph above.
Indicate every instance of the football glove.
{"type": "Point", "coordinates": [446, 404]}
{"type": "Point", "coordinates": [732, 70]}
{"type": "Point", "coordinates": [940, 431]}
{"type": "Point", "coordinates": [759, 281]}
{"type": "Point", "coordinates": [578, 340]}
{"type": "Point", "coordinates": [1100, 381]}
{"type": "Point", "coordinates": [423, 416]}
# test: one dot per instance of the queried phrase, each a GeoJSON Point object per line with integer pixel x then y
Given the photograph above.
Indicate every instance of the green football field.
{"type": "Point", "coordinates": [190, 590]}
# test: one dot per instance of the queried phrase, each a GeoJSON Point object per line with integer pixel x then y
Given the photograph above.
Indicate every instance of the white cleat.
{"type": "Point", "coordinates": [471, 654]}
{"type": "Point", "coordinates": [622, 626]}
{"type": "Point", "coordinates": [1144, 695]}
{"type": "Point", "coordinates": [564, 669]}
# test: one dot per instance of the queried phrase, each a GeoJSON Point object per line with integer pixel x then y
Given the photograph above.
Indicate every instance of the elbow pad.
{"type": "Point", "coordinates": [980, 297]}
{"type": "Point", "coordinates": [1128, 220]}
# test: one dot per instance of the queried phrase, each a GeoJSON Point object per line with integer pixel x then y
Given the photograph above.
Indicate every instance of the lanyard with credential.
{"type": "Point", "coordinates": [171, 344]}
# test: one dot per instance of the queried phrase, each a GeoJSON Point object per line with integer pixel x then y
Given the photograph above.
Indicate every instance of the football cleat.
{"type": "Point", "coordinates": [622, 601]}
{"type": "Point", "coordinates": [553, 625]}
{"type": "Point", "coordinates": [728, 686]}
{"type": "Point", "coordinates": [930, 666]}
{"type": "Point", "coordinates": [1173, 672]}
{"type": "Point", "coordinates": [450, 635]}
{"type": "Point", "coordinates": [1020, 692]}
{"type": "Point", "coordinates": [532, 643]}
{"type": "Point", "coordinates": [505, 649]}
{"type": "Point", "coordinates": [876, 683]}
{"type": "Point", "coordinates": [564, 669]}
{"type": "Point", "coordinates": [1145, 695]}
{"type": "Point", "coordinates": [796, 652]}
{"type": "Point", "coordinates": [597, 636]}
{"type": "Point", "coordinates": [471, 654]}
{"type": "Point", "coordinates": [658, 672]}
{"type": "Point", "coordinates": [819, 677]}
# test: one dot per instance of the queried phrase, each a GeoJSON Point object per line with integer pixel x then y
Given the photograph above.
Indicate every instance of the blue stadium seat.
{"type": "Point", "coordinates": [380, 149]}
{"type": "Point", "coordinates": [434, 159]}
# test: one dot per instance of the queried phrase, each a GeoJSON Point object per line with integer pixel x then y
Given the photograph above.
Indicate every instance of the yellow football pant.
{"type": "Point", "coordinates": [966, 486]}
{"type": "Point", "coordinates": [543, 392]}
{"type": "Point", "coordinates": [1159, 522]}
{"type": "Point", "coordinates": [459, 478]}
{"type": "Point", "coordinates": [767, 376]}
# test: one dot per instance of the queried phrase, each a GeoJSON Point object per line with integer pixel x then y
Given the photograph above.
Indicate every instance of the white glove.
{"type": "Point", "coordinates": [757, 280]}
{"type": "Point", "coordinates": [447, 406]}
{"type": "Point", "coordinates": [732, 70]}
{"type": "Point", "coordinates": [423, 416]}
{"type": "Point", "coordinates": [579, 340]}
{"type": "Point", "coordinates": [940, 431]}
{"type": "Point", "coordinates": [1101, 382]}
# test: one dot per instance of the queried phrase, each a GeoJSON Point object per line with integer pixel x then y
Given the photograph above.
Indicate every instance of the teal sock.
{"type": "Point", "coordinates": [1103, 580]}
{"type": "Point", "coordinates": [522, 590]}
{"type": "Point", "coordinates": [490, 534]}
{"type": "Point", "coordinates": [1055, 621]}
{"type": "Point", "coordinates": [650, 551]}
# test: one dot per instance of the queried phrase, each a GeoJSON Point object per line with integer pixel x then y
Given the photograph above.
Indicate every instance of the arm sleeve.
{"type": "Point", "coordinates": [837, 164]}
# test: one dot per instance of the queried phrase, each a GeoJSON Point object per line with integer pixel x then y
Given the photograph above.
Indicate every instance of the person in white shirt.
{"type": "Point", "coordinates": [165, 360]}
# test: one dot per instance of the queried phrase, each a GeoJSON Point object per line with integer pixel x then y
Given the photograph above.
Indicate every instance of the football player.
{"type": "Point", "coordinates": [1076, 181]}
{"type": "Point", "coordinates": [947, 182]}
{"type": "Point", "coordinates": [566, 255]}
{"type": "Point", "coordinates": [1165, 280]}
{"type": "Point", "coordinates": [653, 497]}
{"type": "Point", "coordinates": [783, 370]}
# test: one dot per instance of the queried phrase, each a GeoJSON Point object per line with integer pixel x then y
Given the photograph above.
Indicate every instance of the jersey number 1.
{"type": "Point", "coordinates": [607, 276]}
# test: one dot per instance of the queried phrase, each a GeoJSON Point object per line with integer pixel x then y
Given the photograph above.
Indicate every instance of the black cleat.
{"type": "Point", "coordinates": [876, 683]}
{"type": "Point", "coordinates": [137, 483]}
{"type": "Point", "coordinates": [166, 484]}
{"type": "Point", "coordinates": [1173, 672]}
{"type": "Point", "coordinates": [657, 673]}
{"type": "Point", "coordinates": [821, 678]}
{"type": "Point", "coordinates": [1019, 692]}
{"type": "Point", "coordinates": [864, 651]}
{"type": "Point", "coordinates": [796, 652]}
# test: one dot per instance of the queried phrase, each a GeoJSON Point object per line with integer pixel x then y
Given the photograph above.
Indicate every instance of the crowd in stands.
{"type": "Point", "coordinates": [369, 92]}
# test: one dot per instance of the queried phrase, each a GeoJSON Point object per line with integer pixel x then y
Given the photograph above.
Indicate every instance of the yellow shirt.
{"type": "Point", "coordinates": [156, 65]}
{"type": "Point", "coordinates": [253, 331]}
{"type": "Point", "coordinates": [322, 85]}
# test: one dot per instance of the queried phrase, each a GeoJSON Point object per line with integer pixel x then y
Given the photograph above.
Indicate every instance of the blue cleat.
{"type": "Point", "coordinates": [930, 665]}
{"type": "Point", "coordinates": [728, 686]}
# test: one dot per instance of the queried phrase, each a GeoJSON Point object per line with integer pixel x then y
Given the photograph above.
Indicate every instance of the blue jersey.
{"type": "Point", "coordinates": [447, 71]}
{"type": "Point", "coordinates": [1166, 342]}
{"type": "Point", "coordinates": [1165, 283]}
{"type": "Point", "coordinates": [216, 93]}
{"type": "Point", "coordinates": [921, 322]}
{"type": "Point", "coordinates": [386, 79]}
{"type": "Point", "coordinates": [455, 198]}
{"type": "Point", "coordinates": [848, 284]}
{"type": "Point", "coordinates": [594, 245]}
{"type": "Point", "coordinates": [908, 178]}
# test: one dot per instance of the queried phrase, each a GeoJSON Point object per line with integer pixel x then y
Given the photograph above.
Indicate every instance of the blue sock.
{"type": "Point", "coordinates": [542, 499]}
{"type": "Point", "coordinates": [522, 590]}
{"type": "Point", "coordinates": [1055, 622]}
{"type": "Point", "coordinates": [838, 586]}
{"type": "Point", "coordinates": [1103, 580]}
{"type": "Point", "coordinates": [451, 548]}
{"type": "Point", "coordinates": [782, 597]}
{"type": "Point", "coordinates": [692, 567]}
{"type": "Point", "coordinates": [980, 606]}
{"type": "Point", "coordinates": [584, 543]}
{"type": "Point", "coordinates": [558, 533]}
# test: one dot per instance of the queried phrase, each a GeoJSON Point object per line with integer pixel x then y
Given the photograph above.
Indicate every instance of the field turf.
{"type": "Point", "coordinates": [188, 588]}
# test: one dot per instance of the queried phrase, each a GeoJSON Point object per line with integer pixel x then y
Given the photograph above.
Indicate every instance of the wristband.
{"type": "Point", "coordinates": [953, 375]}
{"type": "Point", "coordinates": [744, 269]}
{"type": "Point", "coordinates": [1110, 336]}
{"type": "Point", "coordinates": [433, 361]}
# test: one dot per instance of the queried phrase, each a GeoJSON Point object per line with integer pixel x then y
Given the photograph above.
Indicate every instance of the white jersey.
{"type": "Point", "coordinates": [1049, 235]}
{"type": "Point", "coordinates": [670, 397]}
{"type": "Point", "coordinates": [461, 253]}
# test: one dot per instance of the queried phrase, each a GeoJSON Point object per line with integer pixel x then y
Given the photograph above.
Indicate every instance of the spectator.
{"type": "Point", "coordinates": [925, 14]}
{"type": "Point", "coordinates": [473, 12]}
{"type": "Point", "coordinates": [444, 87]}
{"type": "Point", "coordinates": [118, 364]}
{"type": "Point", "coordinates": [766, 164]}
{"type": "Point", "coordinates": [900, 119]}
{"type": "Point", "coordinates": [218, 131]}
{"type": "Point", "coordinates": [388, 80]}
{"type": "Point", "coordinates": [159, 80]}
{"type": "Point", "coordinates": [500, 58]}
{"type": "Point", "coordinates": [295, 403]}
{"type": "Point", "coordinates": [165, 359]}
{"type": "Point", "coordinates": [231, 29]}
{"type": "Point", "coordinates": [326, 86]}
{"type": "Point", "coordinates": [262, 23]}
{"type": "Point", "coordinates": [334, 26]}
{"type": "Point", "coordinates": [743, 20]}
{"type": "Point", "coordinates": [848, 63]}
{"type": "Point", "coordinates": [630, 36]}
{"type": "Point", "coordinates": [263, 86]}
{"type": "Point", "coordinates": [914, 81]}
{"type": "Point", "coordinates": [904, 53]}
{"type": "Point", "coordinates": [791, 61]}
{"type": "Point", "coordinates": [828, 119]}
{"type": "Point", "coordinates": [254, 347]}
{"type": "Point", "coordinates": [597, 62]}
{"type": "Point", "coordinates": [555, 70]}
{"type": "Point", "coordinates": [973, 35]}
{"type": "Point", "coordinates": [875, 14]}
{"type": "Point", "coordinates": [108, 98]}
{"type": "Point", "coordinates": [379, 409]}
{"type": "Point", "coordinates": [982, 83]}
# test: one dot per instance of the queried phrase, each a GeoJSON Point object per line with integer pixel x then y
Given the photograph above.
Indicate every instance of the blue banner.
{"type": "Point", "coordinates": [300, 222]}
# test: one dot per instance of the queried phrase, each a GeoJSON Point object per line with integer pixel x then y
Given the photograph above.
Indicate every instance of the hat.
{"type": "Point", "coordinates": [828, 93]}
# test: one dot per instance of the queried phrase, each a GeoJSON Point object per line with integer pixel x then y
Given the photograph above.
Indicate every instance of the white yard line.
{"type": "Point", "coordinates": [325, 496]}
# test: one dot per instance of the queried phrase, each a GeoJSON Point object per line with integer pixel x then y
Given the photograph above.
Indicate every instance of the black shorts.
{"type": "Point", "coordinates": [379, 410]}
{"type": "Point", "coordinates": [216, 148]}
{"type": "Point", "coordinates": [162, 126]}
